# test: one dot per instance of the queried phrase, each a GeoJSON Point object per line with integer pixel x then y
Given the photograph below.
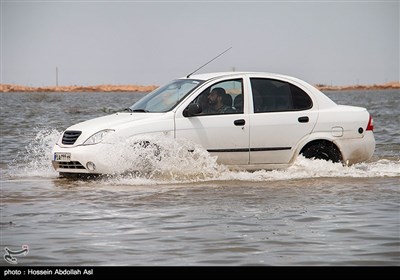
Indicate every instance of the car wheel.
{"type": "Point", "coordinates": [322, 150]}
{"type": "Point", "coordinates": [154, 148]}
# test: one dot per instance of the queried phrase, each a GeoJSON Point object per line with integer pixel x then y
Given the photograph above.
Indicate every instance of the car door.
{"type": "Point", "coordinates": [283, 115]}
{"type": "Point", "coordinates": [224, 134]}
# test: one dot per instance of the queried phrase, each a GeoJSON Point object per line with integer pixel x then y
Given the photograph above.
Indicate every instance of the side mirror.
{"type": "Point", "coordinates": [191, 110]}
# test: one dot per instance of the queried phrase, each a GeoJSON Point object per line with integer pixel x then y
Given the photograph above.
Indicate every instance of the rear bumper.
{"type": "Point", "coordinates": [358, 149]}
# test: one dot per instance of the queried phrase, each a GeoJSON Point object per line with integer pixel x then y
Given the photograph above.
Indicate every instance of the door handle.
{"type": "Point", "coordinates": [303, 119]}
{"type": "Point", "coordinates": [240, 122]}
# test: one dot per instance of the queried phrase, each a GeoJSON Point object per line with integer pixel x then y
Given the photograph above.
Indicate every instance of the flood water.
{"type": "Point", "coordinates": [314, 213]}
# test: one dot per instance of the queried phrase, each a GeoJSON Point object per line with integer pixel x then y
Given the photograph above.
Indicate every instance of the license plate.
{"type": "Point", "coordinates": [62, 156]}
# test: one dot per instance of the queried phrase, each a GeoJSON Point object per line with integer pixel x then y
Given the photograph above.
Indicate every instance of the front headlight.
{"type": "Point", "coordinates": [98, 137]}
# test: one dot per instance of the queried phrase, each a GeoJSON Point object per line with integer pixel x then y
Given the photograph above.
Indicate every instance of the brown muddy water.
{"type": "Point", "coordinates": [314, 213]}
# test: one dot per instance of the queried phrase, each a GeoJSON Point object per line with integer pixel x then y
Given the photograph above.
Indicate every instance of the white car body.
{"type": "Point", "coordinates": [258, 134]}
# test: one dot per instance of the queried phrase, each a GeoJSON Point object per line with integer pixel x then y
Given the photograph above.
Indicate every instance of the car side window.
{"type": "Point", "coordinates": [222, 98]}
{"type": "Point", "coordinates": [276, 96]}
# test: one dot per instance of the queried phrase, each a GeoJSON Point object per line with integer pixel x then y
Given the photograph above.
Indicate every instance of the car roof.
{"type": "Point", "coordinates": [323, 100]}
{"type": "Point", "coordinates": [213, 75]}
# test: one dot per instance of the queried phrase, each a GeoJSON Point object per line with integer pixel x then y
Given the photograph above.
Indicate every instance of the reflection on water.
{"type": "Point", "coordinates": [192, 211]}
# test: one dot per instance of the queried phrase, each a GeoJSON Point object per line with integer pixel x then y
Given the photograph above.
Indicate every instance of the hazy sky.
{"type": "Point", "coordinates": [152, 42]}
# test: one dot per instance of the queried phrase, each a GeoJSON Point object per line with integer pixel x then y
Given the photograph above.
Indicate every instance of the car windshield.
{"type": "Point", "coordinates": [166, 97]}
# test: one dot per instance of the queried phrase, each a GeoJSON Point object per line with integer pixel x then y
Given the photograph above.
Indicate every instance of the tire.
{"type": "Point", "coordinates": [156, 149]}
{"type": "Point", "coordinates": [322, 150]}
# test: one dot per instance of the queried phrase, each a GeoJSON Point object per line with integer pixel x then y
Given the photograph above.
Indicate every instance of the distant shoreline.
{"type": "Point", "coordinates": [139, 88]}
{"type": "Point", "coordinates": [97, 88]}
{"type": "Point", "coordinates": [392, 85]}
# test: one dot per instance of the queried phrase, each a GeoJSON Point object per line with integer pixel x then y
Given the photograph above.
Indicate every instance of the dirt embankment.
{"type": "Point", "coordinates": [101, 88]}
{"type": "Point", "coordinates": [137, 88]}
{"type": "Point", "coordinates": [392, 85]}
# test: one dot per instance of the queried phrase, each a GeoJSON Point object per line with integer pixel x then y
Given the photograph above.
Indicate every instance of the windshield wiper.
{"type": "Point", "coordinates": [135, 110]}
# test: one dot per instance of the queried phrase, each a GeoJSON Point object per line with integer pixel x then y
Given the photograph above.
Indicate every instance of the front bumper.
{"type": "Point", "coordinates": [82, 157]}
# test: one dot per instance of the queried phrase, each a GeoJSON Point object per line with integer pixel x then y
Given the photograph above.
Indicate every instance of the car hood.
{"type": "Point", "coordinates": [117, 121]}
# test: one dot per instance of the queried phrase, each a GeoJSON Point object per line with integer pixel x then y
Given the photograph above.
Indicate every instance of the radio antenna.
{"type": "Point", "coordinates": [208, 62]}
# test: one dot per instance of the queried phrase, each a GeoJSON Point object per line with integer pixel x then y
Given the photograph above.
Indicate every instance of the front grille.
{"type": "Point", "coordinates": [70, 137]}
{"type": "Point", "coordinates": [70, 165]}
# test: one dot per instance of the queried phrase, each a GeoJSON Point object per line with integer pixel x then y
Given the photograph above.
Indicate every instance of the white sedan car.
{"type": "Point", "coordinates": [247, 120]}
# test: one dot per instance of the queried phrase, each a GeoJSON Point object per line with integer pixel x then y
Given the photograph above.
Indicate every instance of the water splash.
{"type": "Point", "coordinates": [305, 168]}
{"type": "Point", "coordinates": [163, 159]}
{"type": "Point", "coordinates": [35, 160]}
{"type": "Point", "coordinates": [172, 161]}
